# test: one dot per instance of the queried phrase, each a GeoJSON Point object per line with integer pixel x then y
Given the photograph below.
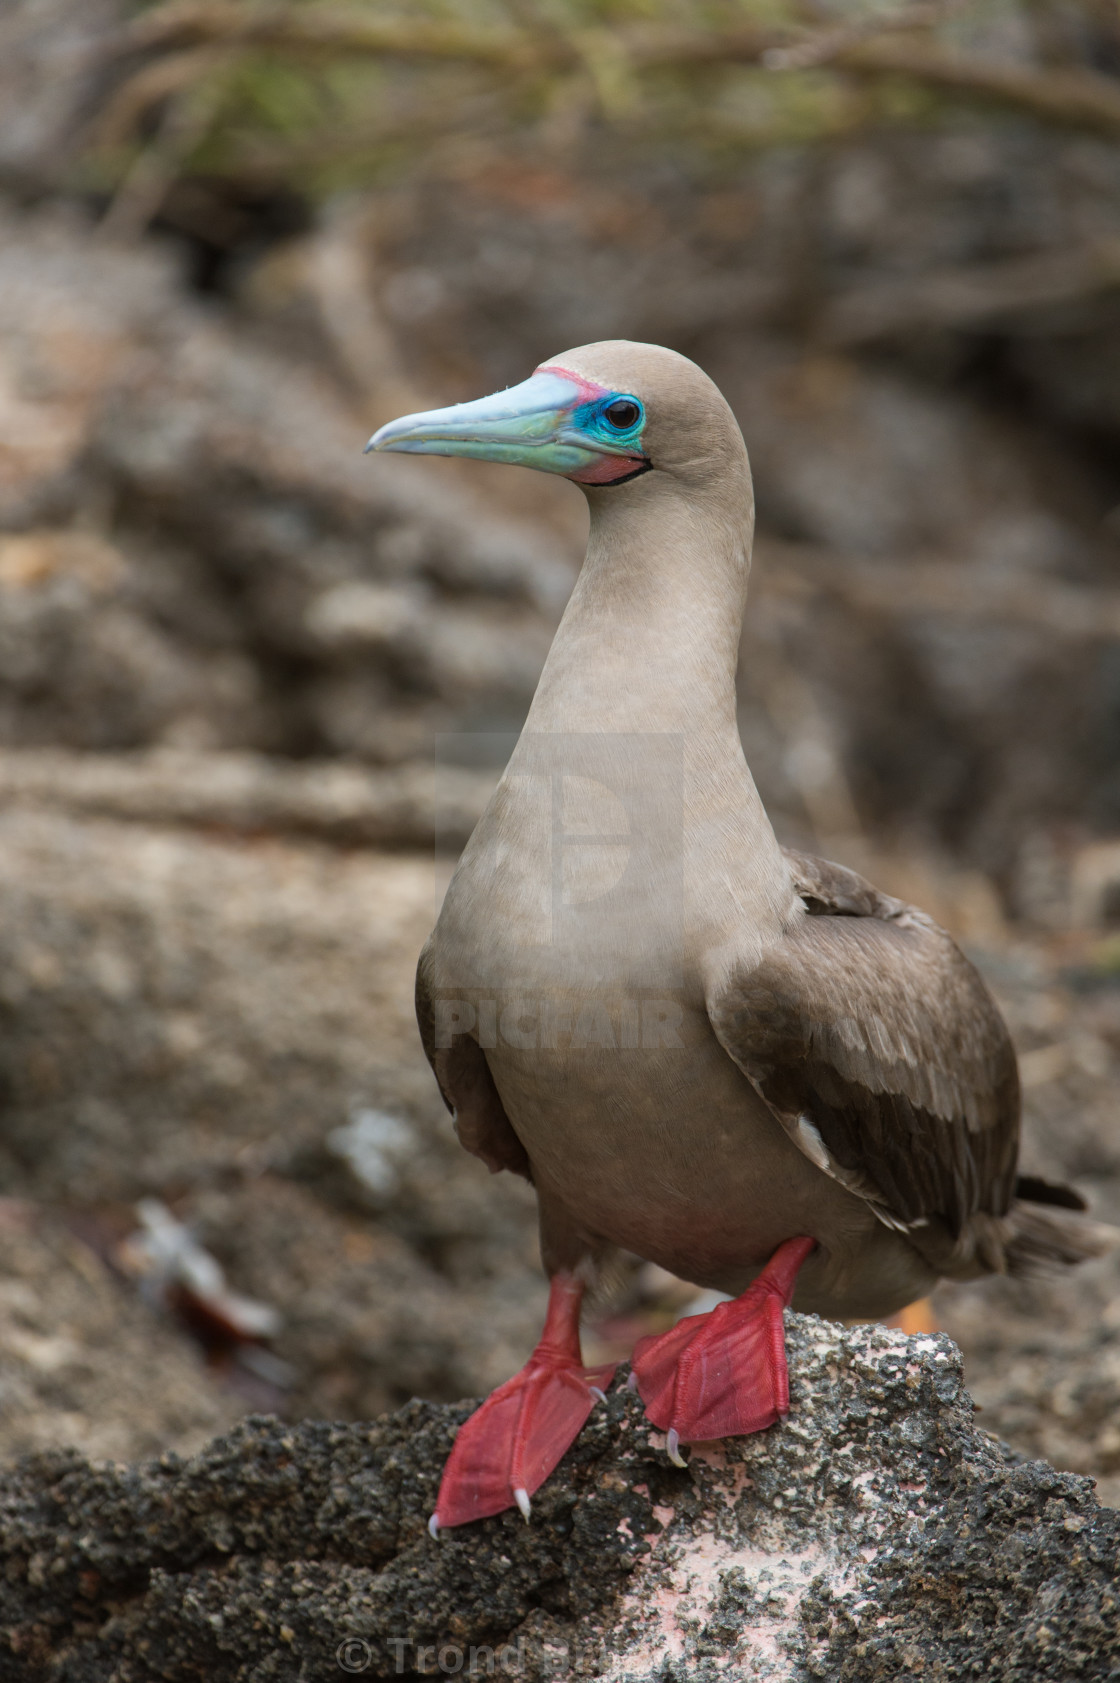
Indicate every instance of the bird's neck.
{"type": "Point", "coordinates": [639, 694]}
{"type": "Point", "coordinates": [643, 668]}
{"type": "Point", "coordinates": [649, 640]}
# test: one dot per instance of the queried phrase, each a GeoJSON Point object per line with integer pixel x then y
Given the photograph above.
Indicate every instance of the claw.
{"type": "Point", "coordinates": [723, 1374]}
{"type": "Point", "coordinates": [632, 1381]}
{"type": "Point", "coordinates": [509, 1446]}
{"type": "Point", "coordinates": [433, 1526]}
{"type": "Point", "coordinates": [595, 1392]}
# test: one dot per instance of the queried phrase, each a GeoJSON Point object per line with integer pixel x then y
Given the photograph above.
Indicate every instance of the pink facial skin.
{"type": "Point", "coordinates": [589, 390]}
{"type": "Point", "coordinates": [605, 469]}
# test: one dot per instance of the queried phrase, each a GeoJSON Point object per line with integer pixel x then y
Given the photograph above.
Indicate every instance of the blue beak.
{"type": "Point", "coordinates": [531, 425]}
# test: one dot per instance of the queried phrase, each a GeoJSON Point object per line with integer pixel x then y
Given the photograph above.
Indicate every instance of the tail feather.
{"type": "Point", "coordinates": [1043, 1235]}
{"type": "Point", "coordinates": [1046, 1229]}
{"type": "Point", "coordinates": [1039, 1191]}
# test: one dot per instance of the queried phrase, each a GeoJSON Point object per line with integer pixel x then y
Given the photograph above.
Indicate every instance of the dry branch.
{"type": "Point", "coordinates": [822, 46]}
{"type": "Point", "coordinates": [288, 29]}
{"type": "Point", "coordinates": [1078, 98]}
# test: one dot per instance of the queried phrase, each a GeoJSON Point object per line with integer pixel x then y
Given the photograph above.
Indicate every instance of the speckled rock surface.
{"type": "Point", "coordinates": [876, 1534]}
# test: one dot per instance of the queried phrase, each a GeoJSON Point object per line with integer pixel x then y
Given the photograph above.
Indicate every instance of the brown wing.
{"type": "Point", "coordinates": [881, 1052]}
{"type": "Point", "coordinates": [468, 1087]}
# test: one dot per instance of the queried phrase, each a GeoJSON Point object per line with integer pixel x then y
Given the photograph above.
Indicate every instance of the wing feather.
{"type": "Point", "coordinates": [468, 1087]}
{"type": "Point", "coordinates": [880, 1050]}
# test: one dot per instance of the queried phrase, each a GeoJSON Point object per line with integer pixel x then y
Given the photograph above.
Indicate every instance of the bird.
{"type": "Point", "coordinates": [735, 1060]}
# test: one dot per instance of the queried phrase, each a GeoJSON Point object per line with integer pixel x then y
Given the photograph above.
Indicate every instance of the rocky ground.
{"type": "Point", "coordinates": [873, 1535]}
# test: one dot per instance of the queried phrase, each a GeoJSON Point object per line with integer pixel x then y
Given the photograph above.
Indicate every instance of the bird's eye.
{"type": "Point", "coordinates": [623, 413]}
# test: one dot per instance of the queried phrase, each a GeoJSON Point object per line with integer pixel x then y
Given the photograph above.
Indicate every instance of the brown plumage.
{"type": "Point", "coordinates": [911, 1097]}
{"type": "Point", "coordinates": [883, 1055]}
{"type": "Point", "coordinates": [742, 1063]}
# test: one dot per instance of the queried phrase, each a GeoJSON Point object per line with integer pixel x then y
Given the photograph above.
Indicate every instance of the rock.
{"type": "Point", "coordinates": [1042, 1355]}
{"type": "Point", "coordinates": [874, 1534]}
{"type": "Point", "coordinates": [171, 1000]}
{"type": "Point", "coordinates": [51, 57]}
{"type": "Point", "coordinates": [411, 805]}
{"type": "Point", "coordinates": [210, 1020]}
{"type": "Point", "coordinates": [194, 551]}
{"type": "Point", "coordinates": [84, 1362]}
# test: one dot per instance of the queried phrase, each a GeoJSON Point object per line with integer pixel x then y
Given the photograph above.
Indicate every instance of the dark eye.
{"type": "Point", "coordinates": [623, 413]}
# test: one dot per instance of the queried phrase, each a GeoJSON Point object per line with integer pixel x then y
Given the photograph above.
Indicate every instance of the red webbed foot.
{"type": "Point", "coordinates": [723, 1374]}
{"type": "Point", "coordinates": [508, 1447]}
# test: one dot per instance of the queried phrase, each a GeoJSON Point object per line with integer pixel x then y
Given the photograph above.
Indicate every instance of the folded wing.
{"type": "Point", "coordinates": [882, 1054]}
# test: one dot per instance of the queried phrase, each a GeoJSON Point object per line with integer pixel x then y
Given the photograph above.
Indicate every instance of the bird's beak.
{"type": "Point", "coordinates": [535, 424]}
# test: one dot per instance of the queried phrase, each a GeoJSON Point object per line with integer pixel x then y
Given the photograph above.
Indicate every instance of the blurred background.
{"type": "Point", "coordinates": [236, 237]}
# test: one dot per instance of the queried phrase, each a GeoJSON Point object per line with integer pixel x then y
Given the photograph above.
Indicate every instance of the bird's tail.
{"type": "Point", "coordinates": [1046, 1228]}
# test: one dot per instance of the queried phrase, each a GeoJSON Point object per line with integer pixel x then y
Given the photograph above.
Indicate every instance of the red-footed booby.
{"type": "Point", "coordinates": [739, 1062]}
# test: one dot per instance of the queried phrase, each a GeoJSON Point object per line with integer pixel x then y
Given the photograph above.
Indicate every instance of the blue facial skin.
{"type": "Point", "coordinates": [592, 420]}
{"type": "Point", "coordinates": [611, 428]}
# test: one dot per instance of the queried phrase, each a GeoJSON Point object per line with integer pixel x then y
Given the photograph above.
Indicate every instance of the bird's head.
{"type": "Point", "coordinates": [604, 415]}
